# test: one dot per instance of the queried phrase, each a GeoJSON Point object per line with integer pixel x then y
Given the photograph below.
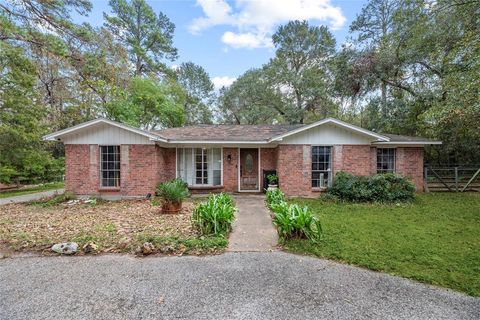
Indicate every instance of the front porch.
{"type": "Point", "coordinates": [229, 169]}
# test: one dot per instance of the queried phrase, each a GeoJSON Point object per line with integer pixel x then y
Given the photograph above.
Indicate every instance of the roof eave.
{"type": "Point", "coordinates": [55, 136]}
{"type": "Point", "coordinates": [218, 141]}
{"type": "Point", "coordinates": [330, 120]}
{"type": "Point", "coordinates": [407, 142]}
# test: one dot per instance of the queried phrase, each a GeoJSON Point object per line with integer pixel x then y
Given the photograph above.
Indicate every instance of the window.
{"type": "Point", "coordinates": [200, 166]}
{"type": "Point", "coordinates": [321, 166]}
{"type": "Point", "coordinates": [110, 166]}
{"type": "Point", "coordinates": [385, 160]}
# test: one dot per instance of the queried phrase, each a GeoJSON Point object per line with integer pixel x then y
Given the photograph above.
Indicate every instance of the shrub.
{"type": "Point", "coordinates": [173, 191]}
{"type": "Point", "coordinates": [215, 216]}
{"type": "Point", "coordinates": [274, 197]}
{"type": "Point", "coordinates": [386, 187]}
{"type": "Point", "coordinates": [294, 221]}
{"type": "Point", "coordinates": [291, 220]}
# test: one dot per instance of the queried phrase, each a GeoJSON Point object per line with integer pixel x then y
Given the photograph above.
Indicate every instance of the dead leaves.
{"type": "Point", "coordinates": [112, 226]}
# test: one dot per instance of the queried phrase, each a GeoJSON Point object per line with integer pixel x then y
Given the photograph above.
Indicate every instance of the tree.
{"type": "Point", "coordinates": [149, 104]}
{"type": "Point", "coordinates": [199, 93]}
{"type": "Point", "coordinates": [43, 24]}
{"type": "Point", "coordinates": [300, 68]}
{"type": "Point", "coordinates": [373, 26]}
{"type": "Point", "coordinates": [147, 37]}
{"type": "Point", "coordinates": [21, 154]}
{"type": "Point", "coordinates": [251, 100]}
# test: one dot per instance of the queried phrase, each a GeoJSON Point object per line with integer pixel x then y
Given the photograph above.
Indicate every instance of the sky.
{"type": "Point", "coordinates": [228, 38]}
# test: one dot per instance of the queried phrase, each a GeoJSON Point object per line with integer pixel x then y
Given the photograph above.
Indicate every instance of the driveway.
{"type": "Point", "coordinates": [245, 285]}
{"type": "Point", "coordinates": [31, 196]}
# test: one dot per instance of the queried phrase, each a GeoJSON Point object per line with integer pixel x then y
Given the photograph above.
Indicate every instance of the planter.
{"type": "Point", "coordinates": [272, 187]}
{"type": "Point", "coordinates": [171, 207]}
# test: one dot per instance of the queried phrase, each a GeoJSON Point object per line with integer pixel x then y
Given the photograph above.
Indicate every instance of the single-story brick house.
{"type": "Point", "coordinates": [104, 157]}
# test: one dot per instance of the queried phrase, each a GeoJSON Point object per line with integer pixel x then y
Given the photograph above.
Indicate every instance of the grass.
{"type": "Point", "coordinates": [40, 188]}
{"type": "Point", "coordinates": [435, 239]}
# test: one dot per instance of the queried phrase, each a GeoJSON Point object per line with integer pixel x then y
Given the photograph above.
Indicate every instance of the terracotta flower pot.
{"type": "Point", "coordinates": [171, 207]}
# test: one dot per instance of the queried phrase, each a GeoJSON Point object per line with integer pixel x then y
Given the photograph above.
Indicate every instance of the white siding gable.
{"type": "Point", "coordinates": [328, 134]}
{"type": "Point", "coordinates": [105, 134]}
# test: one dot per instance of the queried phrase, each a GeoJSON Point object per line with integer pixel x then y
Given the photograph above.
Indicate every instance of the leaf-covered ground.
{"type": "Point", "coordinates": [121, 226]}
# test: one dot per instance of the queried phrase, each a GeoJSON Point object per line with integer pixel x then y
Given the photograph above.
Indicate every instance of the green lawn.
{"type": "Point", "coordinates": [435, 239]}
{"type": "Point", "coordinates": [45, 187]}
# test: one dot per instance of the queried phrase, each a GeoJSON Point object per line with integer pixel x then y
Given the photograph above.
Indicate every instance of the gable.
{"type": "Point", "coordinates": [104, 134]}
{"type": "Point", "coordinates": [328, 134]}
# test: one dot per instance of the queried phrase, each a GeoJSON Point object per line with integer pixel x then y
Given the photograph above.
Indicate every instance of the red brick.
{"type": "Point", "coordinates": [409, 162]}
{"type": "Point", "coordinates": [147, 165]}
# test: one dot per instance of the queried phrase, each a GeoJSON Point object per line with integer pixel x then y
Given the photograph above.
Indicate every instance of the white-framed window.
{"type": "Point", "coordinates": [321, 166]}
{"type": "Point", "coordinates": [200, 166]}
{"type": "Point", "coordinates": [110, 166]}
{"type": "Point", "coordinates": [385, 160]}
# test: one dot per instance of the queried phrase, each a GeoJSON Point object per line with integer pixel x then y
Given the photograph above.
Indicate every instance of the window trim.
{"type": "Point", "coordinates": [195, 185]}
{"type": "Point", "coordinates": [330, 169]}
{"type": "Point", "coordinates": [102, 187]}
{"type": "Point", "coordinates": [394, 170]}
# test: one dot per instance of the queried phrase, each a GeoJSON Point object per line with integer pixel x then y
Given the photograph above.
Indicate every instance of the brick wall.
{"type": "Point", "coordinates": [82, 168]}
{"type": "Point", "coordinates": [230, 169]}
{"type": "Point", "coordinates": [268, 161]}
{"type": "Point", "coordinates": [355, 159]}
{"type": "Point", "coordinates": [294, 166]}
{"type": "Point", "coordinates": [142, 167]}
{"type": "Point", "coordinates": [166, 163]}
{"type": "Point", "coordinates": [409, 162]}
{"type": "Point", "coordinates": [139, 173]}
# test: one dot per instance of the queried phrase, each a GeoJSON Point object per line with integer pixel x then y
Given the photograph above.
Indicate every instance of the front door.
{"type": "Point", "coordinates": [249, 170]}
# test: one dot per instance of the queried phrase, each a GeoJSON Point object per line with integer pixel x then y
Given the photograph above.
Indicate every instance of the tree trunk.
{"type": "Point", "coordinates": [383, 88]}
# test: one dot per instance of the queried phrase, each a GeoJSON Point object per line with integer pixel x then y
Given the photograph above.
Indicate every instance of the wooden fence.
{"type": "Point", "coordinates": [452, 179]}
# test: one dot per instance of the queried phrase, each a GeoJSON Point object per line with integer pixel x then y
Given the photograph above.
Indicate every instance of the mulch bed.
{"type": "Point", "coordinates": [120, 226]}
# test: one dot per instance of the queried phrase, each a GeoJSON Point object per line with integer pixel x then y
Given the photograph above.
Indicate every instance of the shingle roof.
{"type": "Point", "coordinates": [224, 132]}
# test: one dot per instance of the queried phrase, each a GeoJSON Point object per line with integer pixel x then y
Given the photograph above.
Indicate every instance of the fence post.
{"type": "Point", "coordinates": [456, 179]}
{"type": "Point", "coordinates": [425, 179]}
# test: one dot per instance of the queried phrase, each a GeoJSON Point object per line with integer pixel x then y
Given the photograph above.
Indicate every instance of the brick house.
{"type": "Point", "coordinates": [104, 157]}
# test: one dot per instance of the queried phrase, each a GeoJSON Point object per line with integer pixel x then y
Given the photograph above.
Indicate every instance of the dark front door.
{"type": "Point", "coordinates": [249, 169]}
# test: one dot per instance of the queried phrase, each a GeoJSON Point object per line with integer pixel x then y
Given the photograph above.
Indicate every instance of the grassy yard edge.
{"type": "Point", "coordinates": [443, 264]}
{"type": "Point", "coordinates": [40, 188]}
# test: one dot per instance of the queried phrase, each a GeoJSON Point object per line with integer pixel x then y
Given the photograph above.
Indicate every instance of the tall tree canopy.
{"type": "Point", "coordinates": [295, 86]}
{"type": "Point", "coordinates": [301, 68]}
{"type": "Point", "coordinates": [251, 99]}
{"type": "Point", "coordinates": [148, 37]}
{"type": "Point", "coordinates": [199, 90]}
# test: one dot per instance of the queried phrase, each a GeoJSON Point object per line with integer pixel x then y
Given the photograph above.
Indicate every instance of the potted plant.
{"type": "Point", "coordinates": [272, 181]}
{"type": "Point", "coordinates": [172, 194]}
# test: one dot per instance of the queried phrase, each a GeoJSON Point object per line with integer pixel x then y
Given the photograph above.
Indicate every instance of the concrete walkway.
{"type": "Point", "coordinates": [31, 196]}
{"type": "Point", "coordinates": [253, 229]}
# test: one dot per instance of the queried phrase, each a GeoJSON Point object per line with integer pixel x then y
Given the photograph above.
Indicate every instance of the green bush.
{"type": "Point", "coordinates": [274, 197]}
{"type": "Point", "coordinates": [294, 221]}
{"type": "Point", "coordinates": [386, 187]}
{"type": "Point", "coordinates": [173, 191]}
{"type": "Point", "coordinates": [215, 216]}
{"type": "Point", "coordinates": [291, 220]}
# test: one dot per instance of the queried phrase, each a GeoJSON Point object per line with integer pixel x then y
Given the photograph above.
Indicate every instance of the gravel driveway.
{"type": "Point", "coordinates": [248, 285]}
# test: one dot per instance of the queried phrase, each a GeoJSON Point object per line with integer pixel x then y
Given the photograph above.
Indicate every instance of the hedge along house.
{"type": "Point", "coordinates": [104, 157]}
